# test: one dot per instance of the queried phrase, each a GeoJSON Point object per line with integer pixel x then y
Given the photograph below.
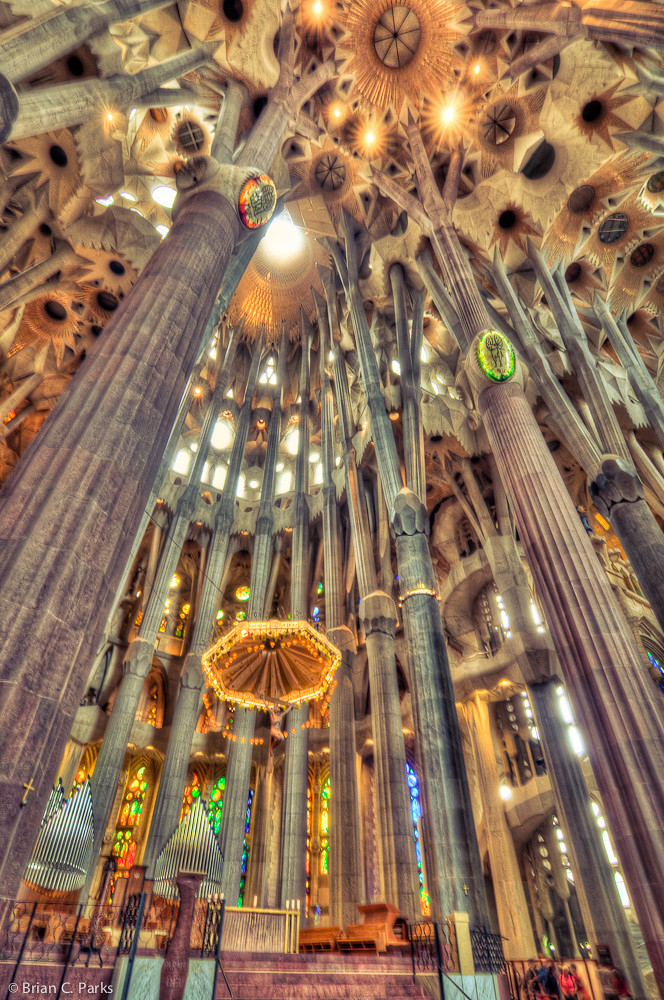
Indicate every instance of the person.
{"type": "Point", "coordinates": [620, 984]}
{"type": "Point", "coordinates": [568, 983]}
{"type": "Point", "coordinates": [552, 984]}
{"type": "Point", "coordinates": [581, 511]}
{"type": "Point", "coordinates": [531, 979]}
{"type": "Point", "coordinates": [580, 987]}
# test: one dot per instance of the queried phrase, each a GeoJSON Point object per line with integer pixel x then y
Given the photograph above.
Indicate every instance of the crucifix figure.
{"type": "Point", "coordinates": [28, 788]}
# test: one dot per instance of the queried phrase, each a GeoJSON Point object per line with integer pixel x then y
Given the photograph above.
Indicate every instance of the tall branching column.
{"type": "Point", "coordinates": [168, 803]}
{"type": "Point", "coordinates": [612, 695]}
{"type": "Point", "coordinates": [346, 880]}
{"type": "Point", "coordinates": [296, 762]}
{"type": "Point", "coordinates": [377, 616]}
{"type": "Point", "coordinates": [238, 774]}
{"type": "Point", "coordinates": [452, 855]}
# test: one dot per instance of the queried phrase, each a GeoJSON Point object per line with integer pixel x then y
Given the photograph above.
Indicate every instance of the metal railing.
{"type": "Point", "coordinates": [487, 951]}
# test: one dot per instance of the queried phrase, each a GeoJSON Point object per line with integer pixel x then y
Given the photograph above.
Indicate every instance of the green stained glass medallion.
{"type": "Point", "coordinates": [495, 356]}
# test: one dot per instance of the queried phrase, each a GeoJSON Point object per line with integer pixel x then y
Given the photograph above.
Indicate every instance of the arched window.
{"type": "Point", "coordinates": [126, 841]}
{"type": "Point", "coordinates": [416, 810]}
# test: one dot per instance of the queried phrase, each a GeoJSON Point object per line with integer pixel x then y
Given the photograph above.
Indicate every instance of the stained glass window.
{"type": "Point", "coordinates": [655, 662]}
{"type": "Point", "coordinates": [125, 843]}
{"type": "Point", "coordinates": [191, 793]}
{"type": "Point", "coordinates": [245, 848]}
{"type": "Point", "coordinates": [309, 825]}
{"type": "Point", "coordinates": [416, 811]}
{"type": "Point", "coordinates": [325, 826]}
{"type": "Point", "coordinates": [216, 804]}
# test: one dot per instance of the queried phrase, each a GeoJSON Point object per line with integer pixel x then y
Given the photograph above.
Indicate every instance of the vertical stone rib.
{"type": "Point", "coordinates": [604, 675]}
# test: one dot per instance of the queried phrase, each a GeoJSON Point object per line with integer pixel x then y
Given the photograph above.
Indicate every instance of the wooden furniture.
{"type": "Point", "coordinates": [382, 929]}
{"type": "Point", "coordinates": [319, 938]}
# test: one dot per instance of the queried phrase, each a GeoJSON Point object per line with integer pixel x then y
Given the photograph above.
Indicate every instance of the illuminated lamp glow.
{"type": "Point", "coordinates": [164, 195]}
{"type": "Point", "coordinates": [284, 240]}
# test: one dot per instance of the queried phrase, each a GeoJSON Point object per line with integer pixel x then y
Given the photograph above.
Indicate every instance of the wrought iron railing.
{"type": "Point", "coordinates": [487, 951]}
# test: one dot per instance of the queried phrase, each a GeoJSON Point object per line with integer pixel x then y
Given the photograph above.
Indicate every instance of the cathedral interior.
{"type": "Point", "coordinates": [332, 465]}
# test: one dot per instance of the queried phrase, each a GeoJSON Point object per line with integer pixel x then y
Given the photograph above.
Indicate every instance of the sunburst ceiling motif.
{"type": "Point", "coordinates": [259, 663]}
{"type": "Point", "coordinates": [397, 36]}
{"type": "Point", "coordinates": [399, 50]}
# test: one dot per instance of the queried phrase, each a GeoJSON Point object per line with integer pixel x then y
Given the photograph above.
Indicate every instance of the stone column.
{"type": "Point", "coordinates": [296, 763]}
{"type": "Point", "coordinates": [601, 909]}
{"type": "Point", "coordinates": [452, 860]}
{"type": "Point", "coordinates": [238, 774]}
{"type": "Point", "coordinates": [140, 652]}
{"type": "Point", "coordinates": [617, 493]}
{"type": "Point", "coordinates": [175, 969]}
{"type": "Point", "coordinates": [608, 685]}
{"type": "Point", "coordinates": [31, 45]}
{"type": "Point", "coordinates": [452, 856]}
{"type": "Point", "coordinates": [261, 840]}
{"type": "Point", "coordinates": [377, 615]}
{"type": "Point", "coordinates": [396, 846]}
{"type": "Point", "coordinates": [48, 108]}
{"type": "Point", "coordinates": [87, 480]}
{"type": "Point", "coordinates": [35, 212]}
{"type": "Point", "coordinates": [411, 392]}
{"type": "Point", "coordinates": [233, 814]}
{"type": "Point", "coordinates": [517, 934]}
{"type": "Point", "coordinates": [346, 879]}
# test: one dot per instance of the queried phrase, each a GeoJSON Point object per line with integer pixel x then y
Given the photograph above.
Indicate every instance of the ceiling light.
{"type": "Point", "coordinates": [447, 114]}
{"type": "Point", "coordinates": [164, 195]}
{"type": "Point", "coordinates": [284, 240]}
{"type": "Point", "coordinates": [163, 231]}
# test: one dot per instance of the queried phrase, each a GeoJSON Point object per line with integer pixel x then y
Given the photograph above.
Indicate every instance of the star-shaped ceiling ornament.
{"type": "Point", "coordinates": [598, 115]}
{"type": "Point", "coordinates": [399, 51]}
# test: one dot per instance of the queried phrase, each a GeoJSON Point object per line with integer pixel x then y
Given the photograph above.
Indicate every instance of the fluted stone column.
{"type": "Point", "coordinates": [613, 697]}
{"type": "Point", "coordinates": [296, 762]}
{"type": "Point", "coordinates": [346, 878]}
{"type": "Point", "coordinates": [377, 617]}
{"type": "Point", "coordinates": [603, 672]}
{"type": "Point", "coordinates": [238, 774]}
{"type": "Point", "coordinates": [168, 802]}
{"type": "Point", "coordinates": [617, 493]}
{"type": "Point", "coordinates": [452, 855]}
{"type": "Point", "coordinates": [513, 917]}
{"type": "Point", "coordinates": [70, 512]}
{"type": "Point", "coordinates": [139, 655]}
{"type": "Point", "coordinates": [396, 846]}
{"type": "Point", "coordinates": [601, 908]}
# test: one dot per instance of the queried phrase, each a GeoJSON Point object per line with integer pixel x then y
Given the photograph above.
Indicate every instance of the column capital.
{"type": "Point", "coordinates": [343, 639]}
{"type": "Point", "coordinates": [192, 673]}
{"type": "Point", "coordinates": [139, 657]}
{"type": "Point", "coordinates": [617, 482]}
{"type": "Point", "coordinates": [409, 516]}
{"type": "Point", "coordinates": [377, 613]}
{"type": "Point", "coordinates": [251, 194]}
